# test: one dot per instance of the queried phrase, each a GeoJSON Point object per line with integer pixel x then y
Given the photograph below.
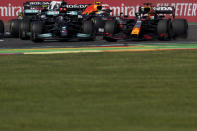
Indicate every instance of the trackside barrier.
{"type": "Point", "coordinates": [9, 9]}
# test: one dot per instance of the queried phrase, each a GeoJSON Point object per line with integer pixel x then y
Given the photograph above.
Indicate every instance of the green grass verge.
{"type": "Point", "coordinates": [133, 91]}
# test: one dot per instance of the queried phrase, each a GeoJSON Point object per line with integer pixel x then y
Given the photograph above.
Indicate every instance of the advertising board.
{"type": "Point", "coordinates": [9, 9]}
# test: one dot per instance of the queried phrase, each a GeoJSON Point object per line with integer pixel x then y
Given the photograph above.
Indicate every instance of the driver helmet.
{"type": "Point", "coordinates": [148, 10]}
{"type": "Point", "coordinates": [98, 3]}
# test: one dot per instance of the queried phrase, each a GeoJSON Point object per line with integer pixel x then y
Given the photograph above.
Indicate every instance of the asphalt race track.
{"type": "Point", "coordinates": [13, 43]}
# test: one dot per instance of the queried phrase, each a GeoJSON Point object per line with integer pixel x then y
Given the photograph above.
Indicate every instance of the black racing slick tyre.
{"type": "Point", "coordinates": [36, 29]}
{"type": "Point", "coordinates": [14, 27]}
{"type": "Point", "coordinates": [28, 18]}
{"type": "Point", "coordinates": [111, 27]}
{"type": "Point", "coordinates": [164, 30]}
{"type": "Point", "coordinates": [1, 28]}
{"type": "Point", "coordinates": [180, 28]}
{"type": "Point", "coordinates": [24, 29]}
{"type": "Point", "coordinates": [88, 28]}
{"type": "Point", "coordinates": [98, 22]}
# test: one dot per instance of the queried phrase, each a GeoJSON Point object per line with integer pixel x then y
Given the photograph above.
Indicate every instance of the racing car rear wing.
{"type": "Point", "coordinates": [36, 4]}
{"type": "Point", "coordinates": [161, 9]}
{"type": "Point", "coordinates": [79, 7]}
{"type": "Point", "coordinates": [164, 9]}
{"type": "Point", "coordinates": [157, 9]}
{"type": "Point", "coordinates": [35, 7]}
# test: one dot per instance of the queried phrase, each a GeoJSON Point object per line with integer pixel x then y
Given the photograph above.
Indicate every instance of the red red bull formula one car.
{"type": "Point", "coordinates": [151, 22]}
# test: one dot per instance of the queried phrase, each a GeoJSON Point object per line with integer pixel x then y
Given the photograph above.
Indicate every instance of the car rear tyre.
{"type": "Point", "coordinates": [24, 29]}
{"type": "Point", "coordinates": [14, 27]}
{"type": "Point", "coordinates": [111, 27]}
{"type": "Point", "coordinates": [98, 22]}
{"type": "Point", "coordinates": [88, 28]}
{"type": "Point", "coordinates": [36, 29]}
{"type": "Point", "coordinates": [164, 29]}
{"type": "Point", "coordinates": [180, 28]}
